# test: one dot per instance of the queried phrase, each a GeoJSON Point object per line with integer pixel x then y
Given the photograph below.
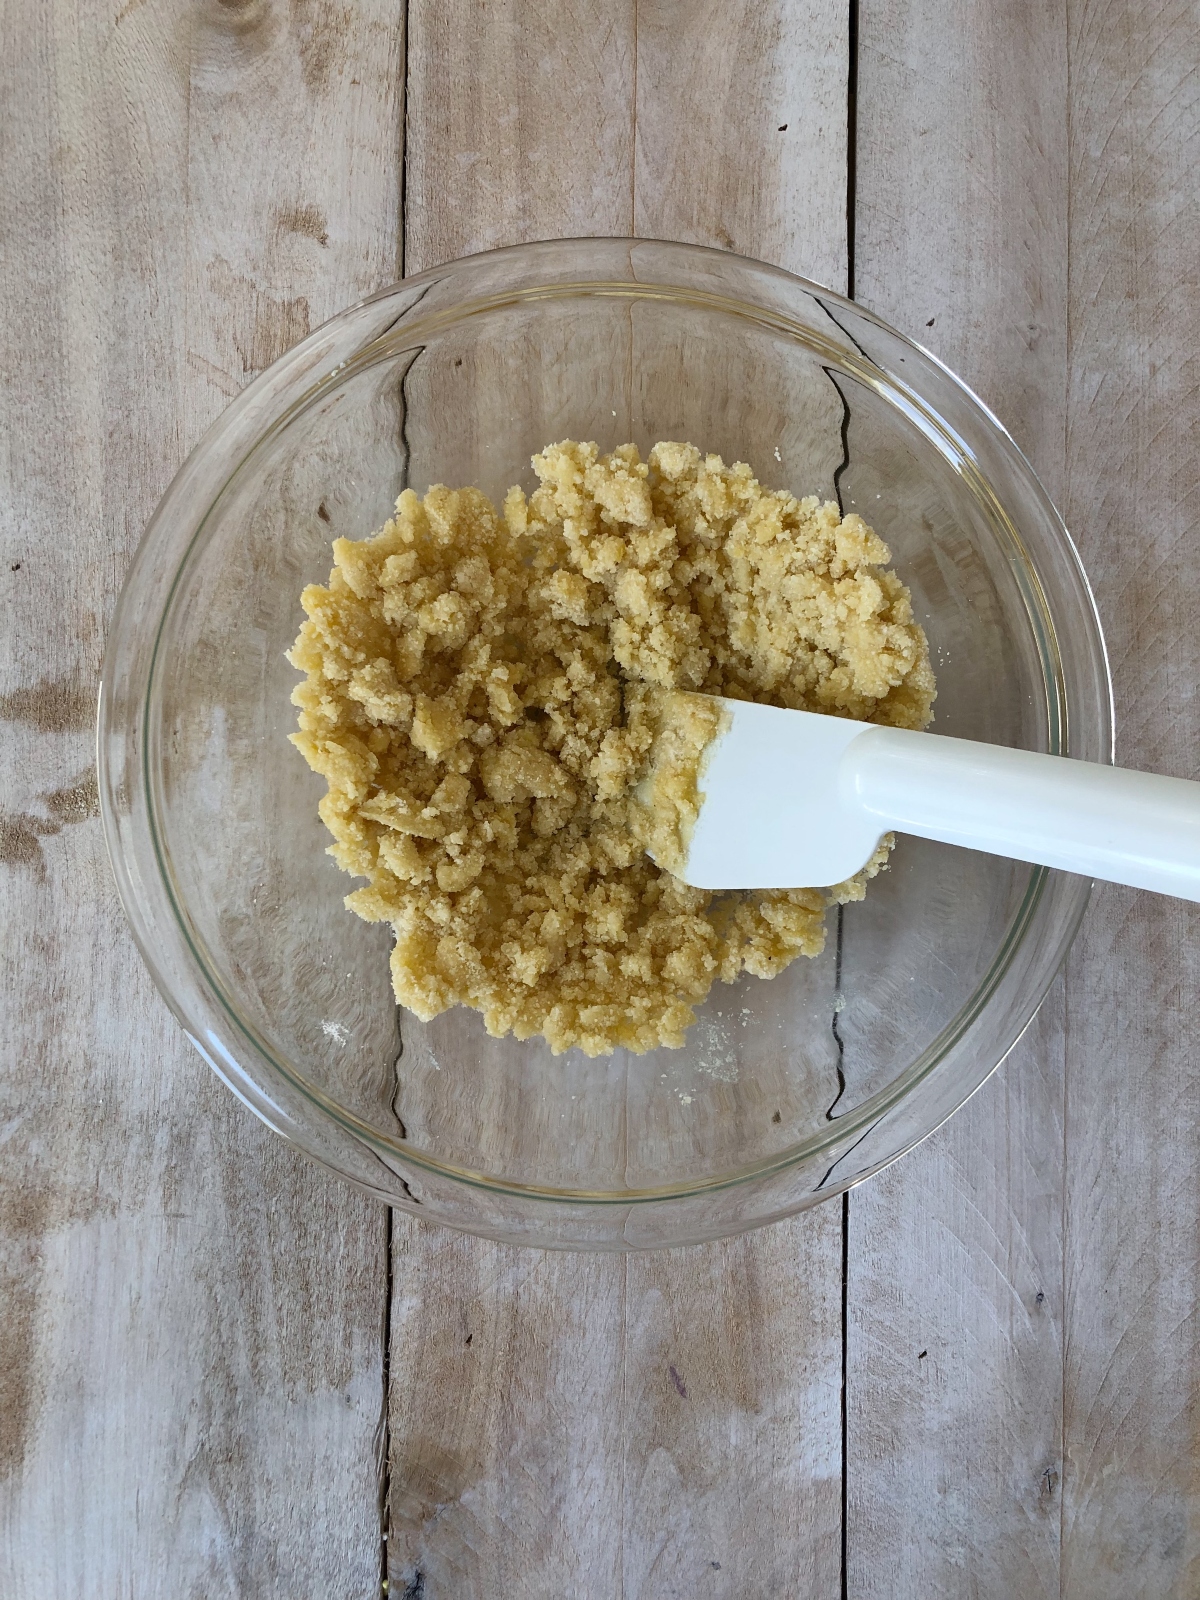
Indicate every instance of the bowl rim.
{"type": "Point", "coordinates": [291, 370]}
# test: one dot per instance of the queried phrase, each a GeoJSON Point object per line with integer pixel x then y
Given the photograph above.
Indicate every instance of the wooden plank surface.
{"type": "Point", "coordinates": [742, 128]}
{"type": "Point", "coordinates": [190, 1314]}
{"type": "Point", "coordinates": [954, 1348]}
{"type": "Point", "coordinates": [1055, 1219]}
{"type": "Point", "coordinates": [191, 1362]}
{"type": "Point", "coordinates": [1131, 1485]}
{"type": "Point", "coordinates": [620, 1426]}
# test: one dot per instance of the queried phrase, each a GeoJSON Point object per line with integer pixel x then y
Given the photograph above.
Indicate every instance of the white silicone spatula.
{"type": "Point", "coordinates": [792, 799]}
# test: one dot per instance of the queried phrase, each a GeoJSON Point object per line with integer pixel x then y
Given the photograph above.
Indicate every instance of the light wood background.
{"type": "Point", "coordinates": [977, 1377]}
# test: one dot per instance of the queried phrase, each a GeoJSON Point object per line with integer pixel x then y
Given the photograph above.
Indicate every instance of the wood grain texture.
{"type": "Point", "coordinates": [742, 129]}
{"type": "Point", "coordinates": [954, 1371]}
{"type": "Point", "coordinates": [731, 1466]}
{"type": "Point", "coordinates": [520, 124]}
{"type": "Point", "coordinates": [190, 1339]}
{"type": "Point", "coordinates": [1095, 370]}
{"type": "Point", "coordinates": [667, 1424]}
{"type": "Point", "coordinates": [191, 1362]}
{"type": "Point", "coordinates": [656, 1425]}
{"type": "Point", "coordinates": [506, 1419]}
{"type": "Point", "coordinates": [1131, 1487]}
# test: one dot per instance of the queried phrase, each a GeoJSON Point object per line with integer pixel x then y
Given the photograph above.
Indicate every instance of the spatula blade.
{"type": "Point", "coordinates": [774, 814]}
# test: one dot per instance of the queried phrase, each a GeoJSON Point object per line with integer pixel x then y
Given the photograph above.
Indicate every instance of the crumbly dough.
{"type": "Point", "coordinates": [481, 694]}
{"type": "Point", "coordinates": [664, 806]}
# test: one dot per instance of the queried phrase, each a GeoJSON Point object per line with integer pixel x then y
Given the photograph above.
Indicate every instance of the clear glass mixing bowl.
{"type": "Point", "coordinates": [787, 1091]}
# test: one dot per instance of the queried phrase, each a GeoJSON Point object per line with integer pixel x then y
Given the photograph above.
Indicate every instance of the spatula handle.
{"type": "Point", "coordinates": [1104, 822]}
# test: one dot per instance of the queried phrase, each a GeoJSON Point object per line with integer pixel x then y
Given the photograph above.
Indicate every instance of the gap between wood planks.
{"type": "Point", "coordinates": [851, 195]}
{"type": "Point", "coordinates": [384, 1436]}
{"type": "Point", "coordinates": [385, 1419]}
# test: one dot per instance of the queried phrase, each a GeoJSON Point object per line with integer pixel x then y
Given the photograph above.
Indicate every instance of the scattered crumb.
{"type": "Point", "coordinates": [479, 695]}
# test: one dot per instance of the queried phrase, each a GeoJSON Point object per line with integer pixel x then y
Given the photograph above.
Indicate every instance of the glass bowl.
{"type": "Point", "coordinates": [787, 1091]}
